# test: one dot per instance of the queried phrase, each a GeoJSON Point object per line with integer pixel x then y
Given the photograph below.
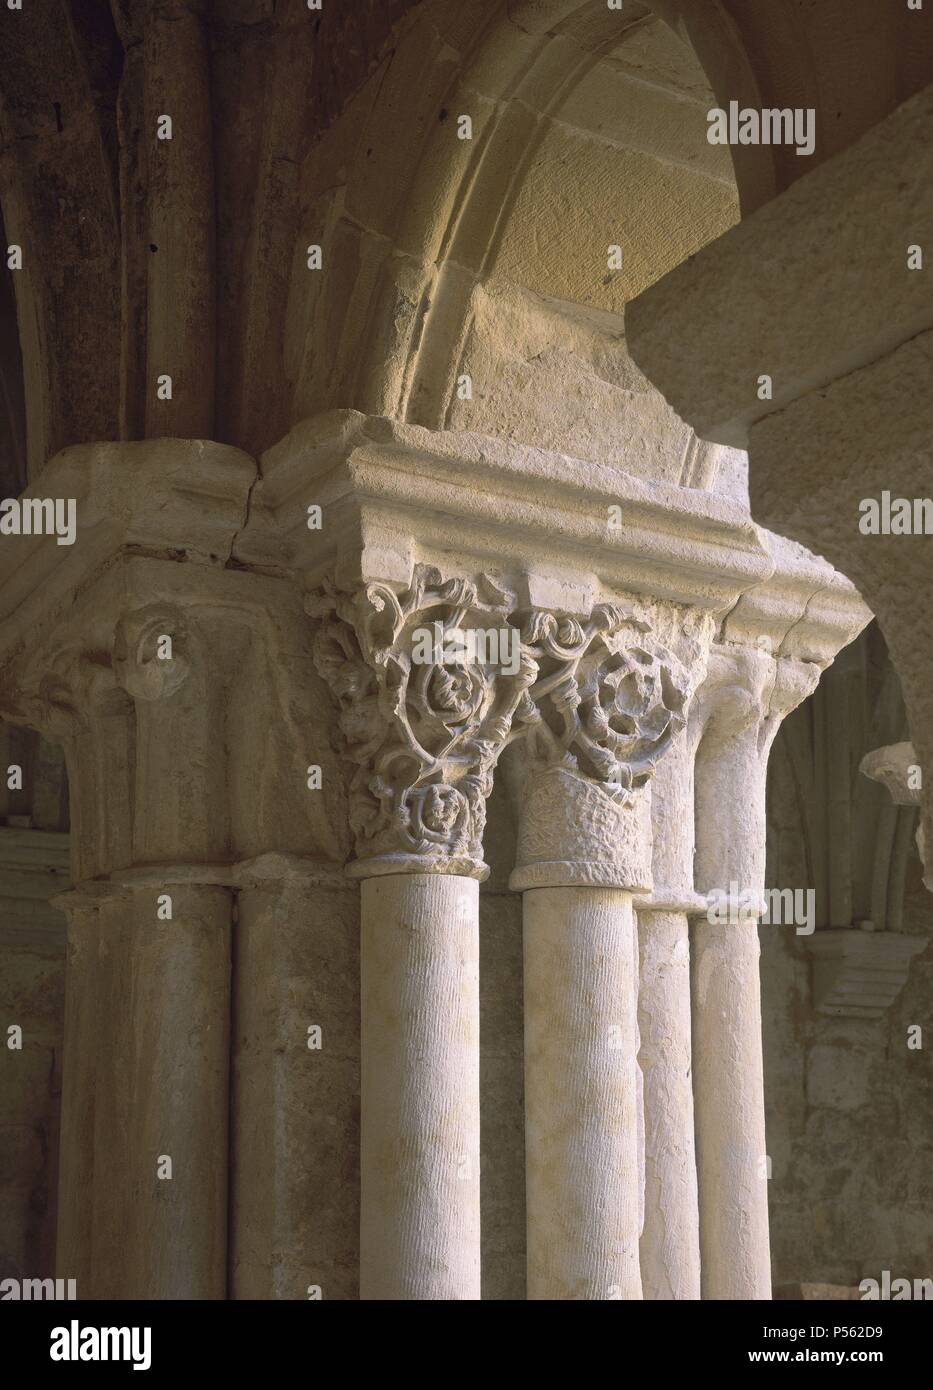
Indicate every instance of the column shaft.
{"type": "Point", "coordinates": [730, 1113]}
{"type": "Point", "coordinates": [581, 1095]}
{"type": "Point", "coordinates": [420, 1141]}
{"type": "Point", "coordinates": [670, 1243]}
{"type": "Point", "coordinates": [670, 1237]}
{"type": "Point", "coordinates": [81, 1040]}
{"type": "Point", "coordinates": [153, 1149]}
{"type": "Point", "coordinates": [295, 1220]}
{"type": "Point", "coordinates": [180, 989]}
{"type": "Point", "coordinates": [728, 1074]}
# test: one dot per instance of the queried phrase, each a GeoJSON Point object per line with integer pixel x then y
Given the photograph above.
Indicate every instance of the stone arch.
{"type": "Point", "coordinates": [377, 187]}
{"type": "Point", "coordinates": [415, 220]}
{"type": "Point", "coordinates": [431, 241]}
{"type": "Point", "coordinates": [853, 839]}
{"type": "Point", "coordinates": [435, 266]}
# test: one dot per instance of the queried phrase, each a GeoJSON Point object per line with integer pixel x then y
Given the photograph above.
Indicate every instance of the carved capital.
{"type": "Point", "coordinates": [608, 698]}
{"type": "Point", "coordinates": [607, 703]}
{"type": "Point", "coordinates": [747, 691]}
{"type": "Point", "coordinates": [152, 654]}
{"type": "Point", "coordinates": [423, 715]}
{"type": "Point", "coordinates": [57, 692]}
{"type": "Point", "coordinates": [859, 974]}
{"type": "Point", "coordinates": [61, 687]}
{"type": "Point", "coordinates": [895, 766]}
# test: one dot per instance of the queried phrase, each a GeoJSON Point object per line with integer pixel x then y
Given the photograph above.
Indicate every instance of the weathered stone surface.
{"type": "Point", "coordinates": [420, 1133]}
{"type": "Point", "coordinates": [581, 1097]}
{"type": "Point", "coordinates": [743, 292]}
{"type": "Point", "coordinates": [866, 433]}
{"type": "Point", "coordinates": [295, 1094]}
{"type": "Point", "coordinates": [488, 187]}
{"type": "Point", "coordinates": [860, 973]}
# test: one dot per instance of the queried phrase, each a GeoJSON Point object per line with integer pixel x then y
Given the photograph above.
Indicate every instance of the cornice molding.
{"type": "Point", "coordinates": [804, 609]}
{"type": "Point", "coordinates": [395, 495]}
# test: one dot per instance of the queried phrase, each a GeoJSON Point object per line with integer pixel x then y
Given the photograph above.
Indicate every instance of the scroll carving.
{"type": "Point", "coordinates": [424, 734]}
{"type": "Point", "coordinates": [608, 699]}
{"type": "Point", "coordinates": [600, 699]}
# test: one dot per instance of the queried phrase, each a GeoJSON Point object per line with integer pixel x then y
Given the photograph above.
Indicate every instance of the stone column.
{"type": "Point", "coordinates": [609, 700]}
{"type": "Point", "coordinates": [144, 1147]}
{"type": "Point", "coordinates": [419, 1095]}
{"type": "Point", "coordinates": [739, 709]}
{"type": "Point", "coordinates": [83, 1019]}
{"type": "Point", "coordinates": [294, 1209]}
{"type": "Point", "coordinates": [423, 721]}
{"type": "Point", "coordinates": [142, 695]}
{"type": "Point", "coordinates": [670, 1240]}
{"type": "Point", "coordinates": [158, 1123]}
{"type": "Point", "coordinates": [581, 1094]}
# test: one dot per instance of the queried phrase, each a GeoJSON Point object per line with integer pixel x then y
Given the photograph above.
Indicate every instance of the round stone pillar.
{"type": "Point", "coordinates": [583, 1121]}
{"type": "Point", "coordinates": [425, 707]}
{"type": "Point", "coordinates": [741, 708]}
{"type": "Point", "coordinates": [670, 1238]}
{"type": "Point", "coordinates": [144, 1146]}
{"type": "Point", "coordinates": [670, 1242]}
{"type": "Point", "coordinates": [420, 1141]}
{"type": "Point", "coordinates": [581, 1094]}
{"type": "Point", "coordinates": [294, 1200]}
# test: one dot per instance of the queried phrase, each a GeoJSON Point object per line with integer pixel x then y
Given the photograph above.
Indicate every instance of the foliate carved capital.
{"type": "Point", "coordinates": [608, 701]}
{"type": "Point", "coordinates": [423, 714]}
{"type": "Point", "coordinates": [608, 698]}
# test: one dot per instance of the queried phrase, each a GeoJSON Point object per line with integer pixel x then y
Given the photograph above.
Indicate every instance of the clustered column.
{"type": "Point", "coordinates": [145, 1100]}
{"type": "Point", "coordinates": [183, 923]}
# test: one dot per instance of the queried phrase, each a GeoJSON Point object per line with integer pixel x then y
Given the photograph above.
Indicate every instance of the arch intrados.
{"type": "Point", "coordinates": [527, 59]}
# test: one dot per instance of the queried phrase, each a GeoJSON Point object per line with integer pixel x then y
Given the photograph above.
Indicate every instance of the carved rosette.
{"type": "Point", "coordinates": [57, 690]}
{"type": "Point", "coordinates": [608, 701]}
{"type": "Point", "coordinates": [424, 730]}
